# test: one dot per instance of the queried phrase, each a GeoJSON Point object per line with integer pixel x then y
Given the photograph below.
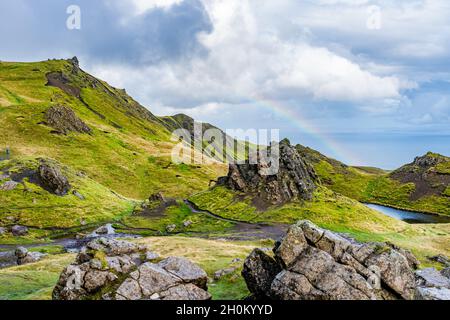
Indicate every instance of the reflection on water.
{"type": "Point", "coordinates": [410, 217]}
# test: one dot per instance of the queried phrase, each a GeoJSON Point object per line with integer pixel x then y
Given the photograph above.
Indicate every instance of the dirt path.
{"type": "Point", "coordinates": [245, 230]}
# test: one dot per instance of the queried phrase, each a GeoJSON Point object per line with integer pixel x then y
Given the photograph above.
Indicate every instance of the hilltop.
{"type": "Point", "coordinates": [123, 145]}
{"type": "Point", "coordinates": [422, 185]}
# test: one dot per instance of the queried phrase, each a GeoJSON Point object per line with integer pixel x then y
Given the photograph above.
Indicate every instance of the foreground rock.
{"type": "Point", "coordinates": [432, 284]}
{"type": "Point", "coordinates": [295, 178]}
{"type": "Point", "coordinates": [315, 264]}
{"type": "Point", "coordinates": [109, 269]}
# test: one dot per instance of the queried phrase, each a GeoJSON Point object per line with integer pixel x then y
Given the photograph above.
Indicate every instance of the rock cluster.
{"type": "Point", "coordinates": [294, 179]}
{"type": "Point", "coordinates": [109, 269]}
{"type": "Point", "coordinates": [433, 285]}
{"type": "Point", "coordinates": [64, 120]}
{"type": "Point", "coordinates": [311, 263]}
{"type": "Point", "coordinates": [24, 256]}
{"type": "Point", "coordinates": [52, 179]}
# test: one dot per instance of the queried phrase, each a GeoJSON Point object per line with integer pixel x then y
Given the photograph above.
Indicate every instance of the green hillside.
{"type": "Point", "coordinates": [405, 188]}
{"type": "Point", "coordinates": [128, 149]}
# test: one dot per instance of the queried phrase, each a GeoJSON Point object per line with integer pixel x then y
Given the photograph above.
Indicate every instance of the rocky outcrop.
{"type": "Point", "coordinates": [311, 263]}
{"type": "Point", "coordinates": [295, 178]}
{"type": "Point", "coordinates": [24, 256]}
{"type": "Point", "coordinates": [64, 120]}
{"type": "Point", "coordinates": [429, 173]}
{"type": "Point", "coordinates": [109, 269]}
{"type": "Point", "coordinates": [19, 231]}
{"type": "Point", "coordinates": [52, 179]}
{"type": "Point", "coordinates": [432, 284]}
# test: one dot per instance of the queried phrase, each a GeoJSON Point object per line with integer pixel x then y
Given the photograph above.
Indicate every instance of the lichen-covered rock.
{"type": "Point", "coordinates": [316, 264]}
{"type": "Point", "coordinates": [52, 179]}
{"type": "Point", "coordinates": [110, 269]}
{"type": "Point", "coordinates": [64, 120]}
{"type": "Point", "coordinates": [259, 272]}
{"type": "Point", "coordinates": [19, 231]}
{"type": "Point", "coordinates": [8, 185]}
{"type": "Point", "coordinates": [295, 177]}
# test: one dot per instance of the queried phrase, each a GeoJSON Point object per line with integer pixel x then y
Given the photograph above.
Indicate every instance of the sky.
{"type": "Point", "coordinates": [366, 82]}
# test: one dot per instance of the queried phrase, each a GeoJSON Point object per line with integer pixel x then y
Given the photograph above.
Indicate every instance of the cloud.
{"type": "Point", "coordinates": [246, 60]}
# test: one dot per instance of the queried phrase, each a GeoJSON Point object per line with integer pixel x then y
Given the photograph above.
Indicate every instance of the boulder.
{"type": "Point", "coordinates": [311, 263]}
{"type": "Point", "coordinates": [108, 269]}
{"type": "Point", "coordinates": [430, 277]}
{"type": "Point", "coordinates": [219, 274]}
{"type": "Point", "coordinates": [52, 178]}
{"type": "Point", "coordinates": [19, 231]}
{"type": "Point", "coordinates": [24, 256]}
{"type": "Point", "coordinates": [9, 185]}
{"type": "Point", "coordinates": [105, 230]}
{"type": "Point", "coordinates": [171, 228]}
{"type": "Point", "coordinates": [64, 120]}
{"type": "Point", "coordinates": [187, 223]}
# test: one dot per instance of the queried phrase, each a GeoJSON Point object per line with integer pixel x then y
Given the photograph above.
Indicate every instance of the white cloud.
{"type": "Point", "coordinates": [248, 59]}
{"type": "Point", "coordinates": [141, 6]}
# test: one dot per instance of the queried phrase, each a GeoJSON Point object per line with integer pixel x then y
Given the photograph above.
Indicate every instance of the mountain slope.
{"type": "Point", "coordinates": [421, 186]}
{"type": "Point", "coordinates": [127, 148]}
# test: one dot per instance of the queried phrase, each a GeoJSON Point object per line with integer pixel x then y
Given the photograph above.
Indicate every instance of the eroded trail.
{"type": "Point", "coordinates": [245, 230]}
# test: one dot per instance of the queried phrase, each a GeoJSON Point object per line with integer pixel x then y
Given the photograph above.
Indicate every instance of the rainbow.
{"type": "Point", "coordinates": [288, 113]}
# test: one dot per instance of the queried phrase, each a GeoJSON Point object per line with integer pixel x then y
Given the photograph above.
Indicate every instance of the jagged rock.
{"type": "Point", "coordinates": [107, 229]}
{"type": "Point", "coordinates": [157, 197]}
{"type": "Point", "coordinates": [430, 277]}
{"type": "Point", "coordinates": [219, 274]}
{"type": "Point", "coordinates": [150, 256]}
{"type": "Point", "coordinates": [24, 256]}
{"type": "Point", "coordinates": [52, 178]}
{"type": "Point", "coordinates": [184, 269]}
{"type": "Point", "coordinates": [118, 270]}
{"type": "Point", "coordinates": [171, 227]}
{"type": "Point", "coordinates": [294, 179]}
{"type": "Point", "coordinates": [440, 258]}
{"type": "Point", "coordinates": [424, 293]}
{"type": "Point", "coordinates": [446, 272]}
{"type": "Point", "coordinates": [19, 231]}
{"type": "Point", "coordinates": [187, 223]}
{"type": "Point", "coordinates": [64, 120]}
{"type": "Point", "coordinates": [259, 272]}
{"type": "Point", "coordinates": [316, 264]}
{"type": "Point", "coordinates": [8, 186]}
{"type": "Point", "coordinates": [78, 195]}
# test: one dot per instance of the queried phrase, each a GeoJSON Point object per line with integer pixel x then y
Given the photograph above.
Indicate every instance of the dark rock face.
{"type": "Point", "coordinates": [24, 256]}
{"type": "Point", "coordinates": [64, 120]}
{"type": "Point", "coordinates": [19, 231]}
{"type": "Point", "coordinates": [315, 264]}
{"type": "Point", "coordinates": [295, 178]}
{"type": "Point", "coordinates": [109, 269]}
{"type": "Point", "coordinates": [425, 174]}
{"type": "Point", "coordinates": [52, 179]}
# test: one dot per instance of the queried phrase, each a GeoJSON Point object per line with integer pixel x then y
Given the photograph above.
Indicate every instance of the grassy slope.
{"type": "Point", "coordinates": [334, 212]}
{"type": "Point", "coordinates": [126, 153]}
{"type": "Point", "coordinates": [30, 205]}
{"type": "Point", "coordinates": [374, 185]}
{"type": "Point", "coordinates": [36, 281]}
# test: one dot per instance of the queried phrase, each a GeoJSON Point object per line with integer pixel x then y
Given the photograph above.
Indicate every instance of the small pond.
{"type": "Point", "coordinates": [408, 216]}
